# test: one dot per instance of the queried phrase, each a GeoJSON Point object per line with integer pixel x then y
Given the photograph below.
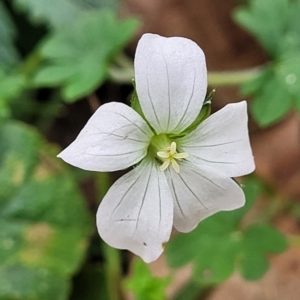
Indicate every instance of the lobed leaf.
{"type": "Point", "coordinates": [267, 20]}
{"type": "Point", "coordinates": [44, 221]}
{"type": "Point", "coordinates": [77, 57]}
{"type": "Point", "coordinates": [275, 23]}
{"type": "Point", "coordinates": [217, 246]}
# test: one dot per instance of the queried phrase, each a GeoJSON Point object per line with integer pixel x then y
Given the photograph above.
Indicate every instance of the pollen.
{"type": "Point", "coordinates": [169, 156]}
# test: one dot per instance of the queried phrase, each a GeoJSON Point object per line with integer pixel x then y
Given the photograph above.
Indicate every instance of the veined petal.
{"type": "Point", "coordinates": [114, 138]}
{"type": "Point", "coordinates": [199, 194]}
{"type": "Point", "coordinates": [171, 81]}
{"type": "Point", "coordinates": [137, 212]}
{"type": "Point", "coordinates": [222, 142]}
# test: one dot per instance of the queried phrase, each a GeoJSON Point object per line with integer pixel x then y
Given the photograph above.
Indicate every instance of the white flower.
{"type": "Point", "coordinates": [182, 176]}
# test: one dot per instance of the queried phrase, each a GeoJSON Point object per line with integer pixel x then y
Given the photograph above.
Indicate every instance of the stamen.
{"type": "Point", "coordinates": [163, 154]}
{"type": "Point", "coordinates": [169, 155]}
{"type": "Point", "coordinates": [180, 155]}
{"type": "Point", "coordinates": [165, 165]}
{"type": "Point", "coordinates": [173, 148]}
{"type": "Point", "coordinates": [175, 165]}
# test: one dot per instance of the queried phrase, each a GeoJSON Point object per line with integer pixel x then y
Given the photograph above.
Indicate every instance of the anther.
{"type": "Point", "coordinates": [169, 156]}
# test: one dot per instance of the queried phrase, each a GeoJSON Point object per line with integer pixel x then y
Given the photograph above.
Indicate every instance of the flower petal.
{"type": "Point", "coordinates": [171, 81]}
{"type": "Point", "coordinates": [222, 142]}
{"type": "Point", "coordinates": [199, 194]}
{"type": "Point", "coordinates": [114, 138]}
{"type": "Point", "coordinates": [137, 212]}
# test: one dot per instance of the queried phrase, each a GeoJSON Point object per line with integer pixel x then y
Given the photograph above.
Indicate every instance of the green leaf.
{"type": "Point", "coordinates": [20, 282]}
{"type": "Point", "coordinates": [45, 224]}
{"type": "Point", "coordinates": [252, 188]}
{"type": "Point", "coordinates": [264, 238]}
{"type": "Point", "coordinates": [293, 20]}
{"type": "Point", "coordinates": [276, 25]}
{"type": "Point", "coordinates": [97, 4]}
{"type": "Point", "coordinates": [190, 291]}
{"type": "Point", "coordinates": [217, 244]}
{"type": "Point", "coordinates": [254, 266]}
{"type": "Point", "coordinates": [179, 250]}
{"type": "Point", "coordinates": [11, 86]}
{"type": "Point", "coordinates": [220, 255]}
{"type": "Point", "coordinates": [92, 43]}
{"type": "Point", "coordinates": [275, 90]}
{"type": "Point", "coordinates": [61, 12]}
{"type": "Point", "coordinates": [256, 83]}
{"type": "Point", "coordinates": [144, 285]}
{"type": "Point", "coordinates": [16, 161]}
{"type": "Point", "coordinates": [289, 71]}
{"type": "Point", "coordinates": [58, 13]}
{"type": "Point", "coordinates": [8, 53]}
{"type": "Point", "coordinates": [258, 241]}
{"type": "Point", "coordinates": [187, 247]}
{"type": "Point", "coordinates": [267, 20]}
{"type": "Point", "coordinates": [272, 102]}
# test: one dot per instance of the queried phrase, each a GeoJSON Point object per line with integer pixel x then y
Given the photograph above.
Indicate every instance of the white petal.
{"type": "Point", "coordinates": [115, 138]}
{"type": "Point", "coordinates": [171, 81]}
{"type": "Point", "coordinates": [199, 194]}
{"type": "Point", "coordinates": [222, 142]}
{"type": "Point", "coordinates": [137, 212]}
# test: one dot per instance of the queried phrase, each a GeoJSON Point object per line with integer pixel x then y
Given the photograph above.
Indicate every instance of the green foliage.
{"type": "Point", "coordinates": [204, 113]}
{"type": "Point", "coordinates": [44, 222]}
{"type": "Point", "coordinates": [144, 285]}
{"type": "Point", "coordinates": [60, 11]}
{"type": "Point", "coordinates": [11, 87]}
{"type": "Point", "coordinates": [216, 247]}
{"type": "Point", "coordinates": [8, 53]}
{"type": "Point", "coordinates": [190, 291]}
{"type": "Point", "coordinates": [97, 4]}
{"type": "Point", "coordinates": [273, 99]}
{"type": "Point", "coordinates": [276, 90]}
{"type": "Point", "coordinates": [20, 282]}
{"type": "Point", "coordinates": [77, 57]}
{"type": "Point", "coordinates": [259, 240]}
{"type": "Point", "coordinates": [267, 20]}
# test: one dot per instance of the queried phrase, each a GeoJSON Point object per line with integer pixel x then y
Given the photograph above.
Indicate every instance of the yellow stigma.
{"type": "Point", "coordinates": [169, 156]}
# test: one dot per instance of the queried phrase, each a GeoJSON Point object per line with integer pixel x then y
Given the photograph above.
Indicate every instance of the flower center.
{"type": "Point", "coordinates": [169, 156]}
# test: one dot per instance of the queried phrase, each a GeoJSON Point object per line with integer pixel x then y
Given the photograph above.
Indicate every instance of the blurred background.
{"type": "Point", "coordinates": [59, 62]}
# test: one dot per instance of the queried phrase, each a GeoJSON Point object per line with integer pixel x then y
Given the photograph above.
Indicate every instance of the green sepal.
{"type": "Point", "coordinates": [135, 103]}
{"type": "Point", "coordinates": [204, 114]}
{"type": "Point", "coordinates": [210, 96]}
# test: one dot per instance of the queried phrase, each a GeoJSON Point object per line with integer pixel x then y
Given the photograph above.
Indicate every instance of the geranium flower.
{"type": "Point", "coordinates": [181, 175]}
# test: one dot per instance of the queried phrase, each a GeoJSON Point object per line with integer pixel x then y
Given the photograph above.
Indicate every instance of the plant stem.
{"type": "Point", "coordinates": [120, 75]}
{"type": "Point", "coordinates": [104, 182]}
{"type": "Point", "coordinates": [227, 78]}
{"type": "Point", "coordinates": [113, 270]}
{"type": "Point", "coordinates": [123, 72]}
